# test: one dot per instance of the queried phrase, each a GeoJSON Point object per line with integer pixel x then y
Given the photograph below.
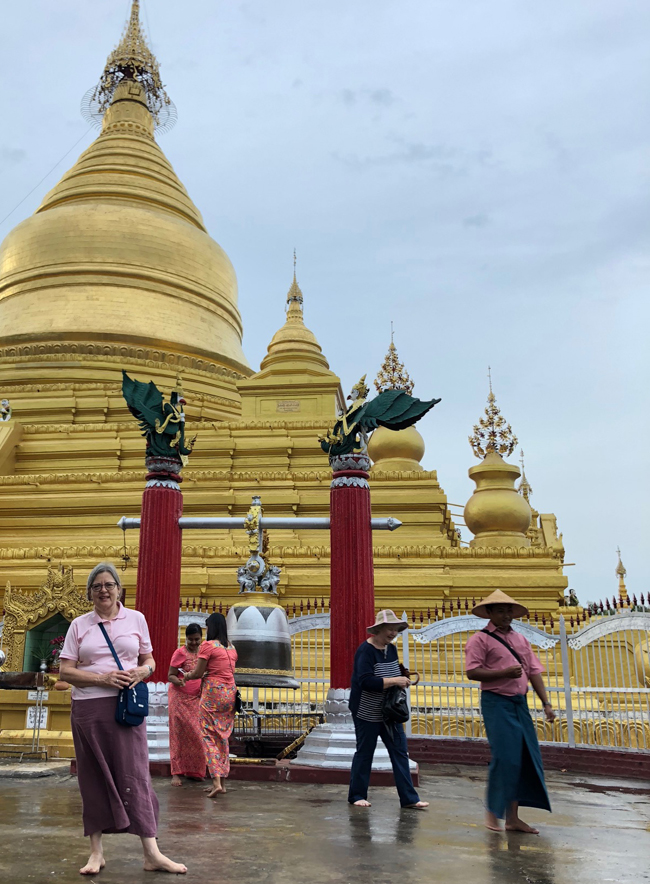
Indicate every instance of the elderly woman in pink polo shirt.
{"type": "Point", "coordinates": [503, 661]}
{"type": "Point", "coordinates": [112, 760]}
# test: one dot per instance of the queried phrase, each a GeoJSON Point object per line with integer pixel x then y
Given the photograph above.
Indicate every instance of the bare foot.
{"type": "Point", "coordinates": [362, 803]}
{"type": "Point", "coordinates": [176, 780]}
{"type": "Point", "coordinates": [518, 825]}
{"type": "Point", "coordinates": [161, 863]}
{"type": "Point", "coordinates": [95, 864]}
{"type": "Point", "coordinates": [419, 806]}
{"type": "Point", "coordinates": [492, 822]}
{"type": "Point", "coordinates": [214, 790]}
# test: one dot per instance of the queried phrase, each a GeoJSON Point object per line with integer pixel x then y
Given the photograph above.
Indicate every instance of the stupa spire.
{"type": "Point", "coordinates": [392, 374]}
{"type": "Point", "coordinates": [524, 486]}
{"type": "Point", "coordinates": [294, 341]}
{"type": "Point", "coordinates": [294, 295]}
{"type": "Point", "coordinates": [492, 432]}
{"type": "Point", "coordinates": [620, 573]}
{"type": "Point", "coordinates": [132, 59]}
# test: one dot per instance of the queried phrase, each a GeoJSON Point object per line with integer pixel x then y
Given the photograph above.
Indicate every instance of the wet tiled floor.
{"type": "Point", "coordinates": [276, 833]}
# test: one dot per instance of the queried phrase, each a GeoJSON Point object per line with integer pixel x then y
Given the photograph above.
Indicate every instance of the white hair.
{"type": "Point", "coordinates": [103, 567]}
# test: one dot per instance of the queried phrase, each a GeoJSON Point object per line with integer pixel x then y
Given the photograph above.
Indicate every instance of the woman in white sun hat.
{"type": "Point", "coordinates": [376, 668]}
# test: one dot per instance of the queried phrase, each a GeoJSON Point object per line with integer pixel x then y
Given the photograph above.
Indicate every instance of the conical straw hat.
{"type": "Point", "coordinates": [498, 597]}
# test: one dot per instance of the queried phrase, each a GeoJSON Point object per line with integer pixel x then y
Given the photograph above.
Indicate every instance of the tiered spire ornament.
{"type": "Point", "coordinates": [392, 374]}
{"type": "Point", "coordinates": [132, 59]}
{"type": "Point", "coordinates": [492, 433]}
{"type": "Point", "coordinates": [524, 486]}
{"type": "Point", "coordinates": [294, 295]}
{"type": "Point", "coordinates": [620, 573]}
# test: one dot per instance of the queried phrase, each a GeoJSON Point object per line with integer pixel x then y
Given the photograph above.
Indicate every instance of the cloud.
{"type": "Point", "coordinates": [479, 220]}
{"type": "Point", "coordinates": [12, 155]}
{"type": "Point", "coordinates": [441, 158]}
{"type": "Point", "coordinates": [382, 96]}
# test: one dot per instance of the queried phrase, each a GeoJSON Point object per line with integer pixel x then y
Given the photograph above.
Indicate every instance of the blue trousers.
{"type": "Point", "coordinates": [394, 739]}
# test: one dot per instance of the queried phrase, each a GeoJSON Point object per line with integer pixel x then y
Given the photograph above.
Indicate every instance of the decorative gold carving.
{"type": "Point", "coordinates": [120, 353]}
{"type": "Point", "coordinates": [392, 374]}
{"type": "Point", "coordinates": [252, 525]}
{"type": "Point", "coordinates": [245, 670]}
{"type": "Point", "coordinates": [278, 553]}
{"type": "Point", "coordinates": [492, 433]}
{"type": "Point", "coordinates": [58, 594]}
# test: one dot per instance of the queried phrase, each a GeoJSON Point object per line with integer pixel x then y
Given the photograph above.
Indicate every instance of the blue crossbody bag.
{"type": "Point", "coordinates": [132, 703]}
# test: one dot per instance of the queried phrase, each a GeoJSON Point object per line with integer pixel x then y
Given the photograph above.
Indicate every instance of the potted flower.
{"type": "Point", "coordinates": [56, 646]}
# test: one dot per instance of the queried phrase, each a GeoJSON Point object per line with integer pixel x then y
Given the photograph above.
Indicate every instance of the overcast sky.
{"type": "Point", "coordinates": [477, 172]}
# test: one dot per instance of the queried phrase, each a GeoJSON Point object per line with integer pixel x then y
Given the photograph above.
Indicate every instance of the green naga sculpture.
{"type": "Point", "coordinates": [394, 409]}
{"type": "Point", "coordinates": [162, 423]}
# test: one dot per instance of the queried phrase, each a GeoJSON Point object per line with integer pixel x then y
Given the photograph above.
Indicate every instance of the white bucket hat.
{"type": "Point", "coordinates": [387, 618]}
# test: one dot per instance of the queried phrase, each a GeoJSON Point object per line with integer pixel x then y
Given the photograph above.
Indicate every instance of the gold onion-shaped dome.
{"type": "Point", "coordinates": [495, 513]}
{"type": "Point", "coordinates": [117, 252]}
{"type": "Point", "coordinates": [400, 450]}
{"type": "Point", "coordinates": [395, 450]}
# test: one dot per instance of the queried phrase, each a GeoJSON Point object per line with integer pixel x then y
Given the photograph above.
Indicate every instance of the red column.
{"type": "Point", "coordinates": [159, 558]}
{"type": "Point", "coordinates": [352, 594]}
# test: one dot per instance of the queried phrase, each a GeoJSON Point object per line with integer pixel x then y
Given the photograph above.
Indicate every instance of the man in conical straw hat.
{"type": "Point", "coordinates": [503, 661]}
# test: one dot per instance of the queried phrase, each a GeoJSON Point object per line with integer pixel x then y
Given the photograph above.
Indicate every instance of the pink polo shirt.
{"type": "Point", "coordinates": [483, 652]}
{"type": "Point", "coordinates": [86, 645]}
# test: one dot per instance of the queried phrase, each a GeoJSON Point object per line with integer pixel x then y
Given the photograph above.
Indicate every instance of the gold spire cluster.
{"type": "Point", "coordinates": [392, 374]}
{"type": "Point", "coordinates": [492, 433]}
{"type": "Point", "coordinates": [133, 60]}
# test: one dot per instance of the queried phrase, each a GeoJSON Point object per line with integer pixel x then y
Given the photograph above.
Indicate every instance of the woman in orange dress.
{"type": "Point", "coordinates": [216, 665]}
{"type": "Point", "coordinates": [185, 740]}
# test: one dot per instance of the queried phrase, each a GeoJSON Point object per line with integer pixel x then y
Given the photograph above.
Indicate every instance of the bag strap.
{"type": "Point", "coordinates": [505, 645]}
{"type": "Point", "coordinates": [110, 645]}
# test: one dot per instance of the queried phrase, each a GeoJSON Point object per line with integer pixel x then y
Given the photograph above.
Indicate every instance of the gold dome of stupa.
{"type": "Point", "coordinates": [496, 514]}
{"type": "Point", "coordinates": [395, 450]}
{"type": "Point", "coordinates": [117, 253]}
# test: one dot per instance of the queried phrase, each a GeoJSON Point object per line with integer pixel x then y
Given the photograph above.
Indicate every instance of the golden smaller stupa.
{"type": "Point", "coordinates": [395, 450]}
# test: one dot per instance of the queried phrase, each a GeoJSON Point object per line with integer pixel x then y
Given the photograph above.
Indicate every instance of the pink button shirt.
{"type": "Point", "coordinates": [483, 652]}
{"type": "Point", "coordinates": [86, 645]}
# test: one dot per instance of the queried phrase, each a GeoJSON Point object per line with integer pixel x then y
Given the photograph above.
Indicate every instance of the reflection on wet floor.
{"type": "Point", "coordinates": [277, 833]}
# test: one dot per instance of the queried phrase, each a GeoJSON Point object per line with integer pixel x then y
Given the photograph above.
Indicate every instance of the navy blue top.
{"type": "Point", "coordinates": [371, 666]}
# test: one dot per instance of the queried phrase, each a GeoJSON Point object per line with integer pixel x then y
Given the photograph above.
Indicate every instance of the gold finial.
{"type": "Point", "coordinates": [620, 573]}
{"type": "Point", "coordinates": [492, 433]}
{"type": "Point", "coordinates": [133, 60]}
{"type": "Point", "coordinates": [524, 486]}
{"type": "Point", "coordinates": [490, 377]}
{"type": "Point", "coordinates": [294, 295]}
{"type": "Point", "coordinates": [620, 567]}
{"type": "Point", "coordinates": [392, 374]}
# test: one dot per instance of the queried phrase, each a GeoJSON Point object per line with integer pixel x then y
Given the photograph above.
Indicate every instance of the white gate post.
{"type": "Point", "coordinates": [566, 679]}
{"type": "Point", "coordinates": [406, 663]}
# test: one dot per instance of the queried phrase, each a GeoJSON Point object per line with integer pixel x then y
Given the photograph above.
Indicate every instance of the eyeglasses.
{"type": "Point", "coordinates": [97, 587]}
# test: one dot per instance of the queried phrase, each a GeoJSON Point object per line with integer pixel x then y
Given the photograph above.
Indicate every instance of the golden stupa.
{"type": "Point", "coordinates": [116, 270]}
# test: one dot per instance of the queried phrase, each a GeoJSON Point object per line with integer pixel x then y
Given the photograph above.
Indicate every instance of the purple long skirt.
{"type": "Point", "coordinates": [112, 771]}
